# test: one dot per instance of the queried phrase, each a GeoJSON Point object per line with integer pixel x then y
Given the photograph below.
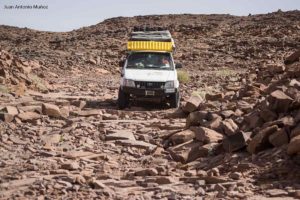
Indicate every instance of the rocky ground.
{"type": "Point", "coordinates": [236, 135]}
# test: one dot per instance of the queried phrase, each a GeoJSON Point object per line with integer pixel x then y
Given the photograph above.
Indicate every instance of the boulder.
{"type": "Point", "coordinates": [275, 68]}
{"type": "Point", "coordinates": [196, 118]}
{"type": "Point", "coordinates": [137, 144]}
{"type": "Point", "coordinates": [294, 145]}
{"type": "Point", "coordinates": [51, 110]}
{"type": "Point", "coordinates": [120, 135]}
{"type": "Point", "coordinates": [229, 127]}
{"type": "Point", "coordinates": [182, 136]}
{"type": "Point", "coordinates": [78, 103]}
{"type": "Point", "coordinates": [279, 138]}
{"type": "Point", "coordinates": [214, 124]}
{"type": "Point", "coordinates": [191, 150]}
{"type": "Point", "coordinates": [206, 135]}
{"type": "Point", "coordinates": [192, 104]}
{"type": "Point", "coordinates": [214, 97]}
{"type": "Point", "coordinates": [34, 108]}
{"type": "Point", "coordinates": [185, 152]}
{"type": "Point", "coordinates": [292, 58]}
{"type": "Point", "coordinates": [296, 131]}
{"type": "Point", "coordinates": [146, 172]}
{"type": "Point", "coordinates": [261, 140]}
{"type": "Point", "coordinates": [70, 166]}
{"type": "Point", "coordinates": [236, 142]}
{"type": "Point", "coordinates": [207, 149]}
{"type": "Point", "coordinates": [11, 110]}
{"type": "Point", "coordinates": [29, 116]}
{"type": "Point", "coordinates": [267, 115]}
{"type": "Point", "coordinates": [50, 139]}
{"type": "Point", "coordinates": [287, 121]}
{"type": "Point", "coordinates": [279, 101]}
{"type": "Point", "coordinates": [227, 113]}
{"type": "Point", "coordinates": [253, 120]}
{"type": "Point", "coordinates": [6, 117]}
{"type": "Point", "coordinates": [244, 106]}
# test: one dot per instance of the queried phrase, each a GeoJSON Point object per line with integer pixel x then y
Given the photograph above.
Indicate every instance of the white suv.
{"type": "Point", "coordinates": [149, 70]}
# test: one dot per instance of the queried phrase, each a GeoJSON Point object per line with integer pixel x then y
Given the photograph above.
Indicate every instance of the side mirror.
{"type": "Point", "coordinates": [121, 63]}
{"type": "Point", "coordinates": [178, 65]}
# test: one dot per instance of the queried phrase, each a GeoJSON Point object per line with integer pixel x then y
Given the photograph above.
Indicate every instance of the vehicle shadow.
{"type": "Point", "coordinates": [111, 104]}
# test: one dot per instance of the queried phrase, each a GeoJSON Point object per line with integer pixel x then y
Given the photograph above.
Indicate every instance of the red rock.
{"type": "Point", "coordinates": [279, 101]}
{"type": "Point", "coordinates": [214, 97]}
{"type": "Point", "coordinates": [235, 175]}
{"type": "Point", "coordinates": [277, 193]}
{"type": "Point", "coordinates": [182, 136]}
{"type": "Point", "coordinates": [236, 141]}
{"type": "Point", "coordinates": [192, 104]}
{"type": "Point", "coordinates": [146, 172]}
{"type": "Point", "coordinates": [294, 145]}
{"type": "Point", "coordinates": [51, 110]}
{"type": "Point", "coordinates": [206, 135]}
{"type": "Point", "coordinates": [275, 68]}
{"type": "Point", "coordinates": [70, 166]}
{"type": "Point", "coordinates": [260, 141]}
{"type": "Point", "coordinates": [88, 113]}
{"type": "Point", "coordinates": [214, 124]}
{"type": "Point", "coordinates": [244, 106]}
{"type": "Point", "coordinates": [229, 127]}
{"type": "Point", "coordinates": [29, 116]}
{"type": "Point", "coordinates": [120, 135]}
{"type": "Point", "coordinates": [11, 110]}
{"type": "Point", "coordinates": [253, 120]}
{"type": "Point", "coordinates": [137, 144]}
{"type": "Point", "coordinates": [267, 115]}
{"type": "Point", "coordinates": [196, 118]}
{"type": "Point", "coordinates": [279, 138]}
{"type": "Point", "coordinates": [79, 104]}
{"type": "Point", "coordinates": [296, 131]}
{"type": "Point", "coordinates": [6, 117]}
{"type": "Point", "coordinates": [186, 152]}
{"type": "Point", "coordinates": [292, 58]}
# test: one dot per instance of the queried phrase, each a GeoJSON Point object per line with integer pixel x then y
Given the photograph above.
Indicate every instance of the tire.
{"type": "Point", "coordinates": [175, 100]}
{"type": "Point", "coordinates": [123, 99]}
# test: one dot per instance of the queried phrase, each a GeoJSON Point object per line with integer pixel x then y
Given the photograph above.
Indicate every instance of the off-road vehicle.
{"type": "Point", "coordinates": [149, 71]}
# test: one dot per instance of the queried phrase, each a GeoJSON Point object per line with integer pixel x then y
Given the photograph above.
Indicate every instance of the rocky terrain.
{"type": "Point", "coordinates": [235, 136]}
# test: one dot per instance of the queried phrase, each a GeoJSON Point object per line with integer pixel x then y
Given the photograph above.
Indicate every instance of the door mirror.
{"type": "Point", "coordinates": [121, 63]}
{"type": "Point", "coordinates": [178, 65]}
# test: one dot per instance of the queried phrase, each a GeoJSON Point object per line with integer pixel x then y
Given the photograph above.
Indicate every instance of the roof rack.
{"type": "Point", "coordinates": [148, 28]}
{"type": "Point", "coordinates": [150, 40]}
{"type": "Point", "coordinates": [163, 36]}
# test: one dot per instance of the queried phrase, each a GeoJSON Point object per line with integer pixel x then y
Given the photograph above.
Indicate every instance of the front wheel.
{"type": "Point", "coordinates": [175, 100]}
{"type": "Point", "coordinates": [123, 99]}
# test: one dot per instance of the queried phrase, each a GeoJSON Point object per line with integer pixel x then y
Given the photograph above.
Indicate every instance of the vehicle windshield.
{"type": "Point", "coordinates": [150, 60]}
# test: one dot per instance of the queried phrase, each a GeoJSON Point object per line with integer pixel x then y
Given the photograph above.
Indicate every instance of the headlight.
{"type": "Point", "coordinates": [169, 84]}
{"type": "Point", "coordinates": [129, 83]}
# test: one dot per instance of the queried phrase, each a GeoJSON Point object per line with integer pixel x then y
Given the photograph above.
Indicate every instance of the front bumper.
{"type": "Point", "coordinates": [153, 92]}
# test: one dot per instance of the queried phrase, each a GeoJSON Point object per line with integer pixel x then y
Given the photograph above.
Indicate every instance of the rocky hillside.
{"type": "Point", "coordinates": [235, 136]}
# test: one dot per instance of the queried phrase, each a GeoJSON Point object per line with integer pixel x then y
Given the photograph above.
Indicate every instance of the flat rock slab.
{"type": "Point", "coordinates": [62, 95]}
{"type": "Point", "coordinates": [88, 113]}
{"type": "Point", "coordinates": [78, 154]}
{"type": "Point", "coordinates": [137, 144]}
{"type": "Point", "coordinates": [120, 135]}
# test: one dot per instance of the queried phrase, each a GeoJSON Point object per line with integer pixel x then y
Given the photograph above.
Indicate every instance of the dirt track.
{"type": "Point", "coordinates": [63, 137]}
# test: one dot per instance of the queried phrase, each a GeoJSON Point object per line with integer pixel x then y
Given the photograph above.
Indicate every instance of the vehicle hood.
{"type": "Point", "coordinates": [150, 75]}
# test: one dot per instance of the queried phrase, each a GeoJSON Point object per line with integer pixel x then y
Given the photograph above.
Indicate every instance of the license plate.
{"type": "Point", "coordinates": [149, 93]}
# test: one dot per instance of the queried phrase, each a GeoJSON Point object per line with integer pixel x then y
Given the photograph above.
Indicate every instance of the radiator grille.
{"type": "Point", "coordinates": [152, 85]}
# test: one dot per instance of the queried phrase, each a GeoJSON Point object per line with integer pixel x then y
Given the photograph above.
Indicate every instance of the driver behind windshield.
{"type": "Point", "coordinates": [149, 60]}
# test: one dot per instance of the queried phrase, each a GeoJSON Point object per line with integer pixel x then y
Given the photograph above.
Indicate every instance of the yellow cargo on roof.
{"type": "Point", "coordinates": [149, 46]}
